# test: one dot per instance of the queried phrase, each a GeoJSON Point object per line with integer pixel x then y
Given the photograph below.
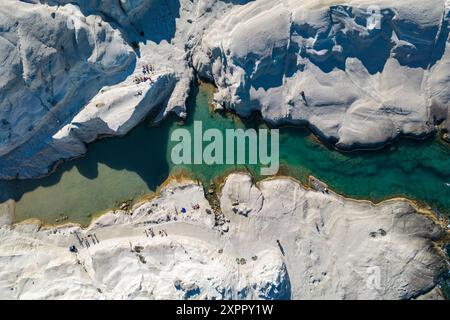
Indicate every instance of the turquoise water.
{"type": "Point", "coordinates": [118, 169]}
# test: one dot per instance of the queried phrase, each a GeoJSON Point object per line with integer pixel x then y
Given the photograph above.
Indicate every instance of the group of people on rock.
{"type": "Point", "coordinates": [162, 233]}
{"type": "Point", "coordinates": [146, 70]}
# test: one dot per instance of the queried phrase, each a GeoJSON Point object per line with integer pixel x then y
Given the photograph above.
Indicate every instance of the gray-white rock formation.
{"type": "Point", "coordinates": [74, 71]}
{"type": "Point", "coordinates": [363, 82]}
{"type": "Point", "coordinates": [69, 69]}
{"type": "Point", "coordinates": [50, 68]}
{"type": "Point", "coordinates": [276, 240]}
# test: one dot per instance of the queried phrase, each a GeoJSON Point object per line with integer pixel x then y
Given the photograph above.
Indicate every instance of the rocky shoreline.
{"type": "Point", "coordinates": [272, 240]}
{"type": "Point", "coordinates": [311, 68]}
{"type": "Point", "coordinates": [72, 73]}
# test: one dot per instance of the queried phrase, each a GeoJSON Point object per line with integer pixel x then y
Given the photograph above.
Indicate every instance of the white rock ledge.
{"type": "Point", "coordinates": [361, 87]}
{"type": "Point", "coordinates": [64, 83]}
{"type": "Point", "coordinates": [291, 243]}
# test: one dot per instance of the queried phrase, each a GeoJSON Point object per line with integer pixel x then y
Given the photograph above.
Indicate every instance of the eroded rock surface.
{"type": "Point", "coordinates": [293, 243]}
{"type": "Point", "coordinates": [326, 64]}
{"type": "Point", "coordinates": [72, 71]}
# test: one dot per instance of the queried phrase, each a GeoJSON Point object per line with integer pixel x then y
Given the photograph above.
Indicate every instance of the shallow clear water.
{"type": "Point", "coordinates": [118, 169]}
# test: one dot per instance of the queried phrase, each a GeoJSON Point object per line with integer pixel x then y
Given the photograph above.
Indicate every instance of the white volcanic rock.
{"type": "Point", "coordinates": [241, 197]}
{"type": "Point", "coordinates": [439, 82]}
{"type": "Point", "coordinates": [336, 248]}
{"type": "Point", "coordinates": [50, 67]}
{"type": "Point", "coordinates": [329, 247]}
{"type": "Point", "coordinates": [68, 74]}
{"type": "Point", "coordinates": [128, 263]}
{"type": "Point", "coordinates": [362, 85]}
{"type": "Point", "coordinates": [68, 69]}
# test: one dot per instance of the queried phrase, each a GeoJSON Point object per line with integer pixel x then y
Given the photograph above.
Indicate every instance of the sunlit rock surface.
{"type": "Point", "coordinates": [330, 65]}
{"type": "Point", "coordinates": [69, 69]}
{"type": "Point", "coordinates": [73, 73]}
{"type": "Point", "coordinates": [292, 243]}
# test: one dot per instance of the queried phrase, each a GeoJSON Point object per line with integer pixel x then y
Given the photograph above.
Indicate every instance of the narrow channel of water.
{"type": "Point", "coordinates": [117, 169]}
